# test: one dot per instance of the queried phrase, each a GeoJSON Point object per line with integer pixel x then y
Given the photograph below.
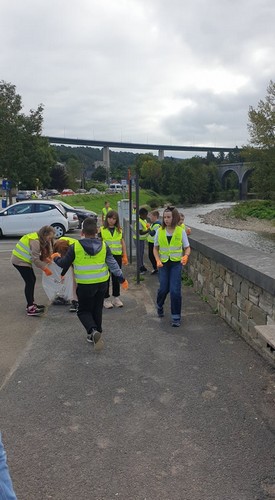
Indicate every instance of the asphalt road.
{"type": "Point", "coordinates": [160, 413]}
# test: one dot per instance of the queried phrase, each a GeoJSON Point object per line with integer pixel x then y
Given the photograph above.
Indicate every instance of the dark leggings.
{"type": "Point", "coordinates": [115, 280]}
{"type": "Point", "coordinates": [30, 279]}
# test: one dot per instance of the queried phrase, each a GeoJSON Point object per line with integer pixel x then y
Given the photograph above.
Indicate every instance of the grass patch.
{"type": "Point", "coordinates": [260, 209]}
{"type": "Point", "coordinates": [96, 202]}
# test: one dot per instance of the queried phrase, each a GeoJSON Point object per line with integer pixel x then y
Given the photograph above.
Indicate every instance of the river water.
{"type": "Point", "coordinates": [261, 241]}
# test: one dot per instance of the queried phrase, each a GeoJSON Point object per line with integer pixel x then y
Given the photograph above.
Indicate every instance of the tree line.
{"type": "Point", "coordinates": [30, 162]}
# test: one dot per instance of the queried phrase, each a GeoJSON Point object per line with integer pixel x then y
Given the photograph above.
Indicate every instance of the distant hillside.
{"type": "Point", "coordinates": [87, 156]}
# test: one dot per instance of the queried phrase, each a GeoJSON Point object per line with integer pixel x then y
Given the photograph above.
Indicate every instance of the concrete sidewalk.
{"type": "Point", "coordinates": [160, 413]}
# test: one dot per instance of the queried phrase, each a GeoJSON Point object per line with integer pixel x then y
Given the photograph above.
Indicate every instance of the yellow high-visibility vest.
{"type": "Point", "coordinates": [153, 227]}
{"type": "Point", "coordinates": [172, 251]}
{"type": "Point", "coordinates": [144, 228]}
{"type": "Point", "coordinates": [114, 241]}
{"type": "Point", "coordinates": [22, 249]}
{"type": "Point", "coordinates": [90, 269]}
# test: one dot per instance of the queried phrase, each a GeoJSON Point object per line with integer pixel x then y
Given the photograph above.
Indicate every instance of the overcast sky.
{"type": "Point", "coordinates": [181, 72]}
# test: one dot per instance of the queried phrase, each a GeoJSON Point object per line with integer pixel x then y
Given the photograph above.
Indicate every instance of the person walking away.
{"type": "Point", "coordinates": [6, 487]}
{"type": "Point", "coordinates": [111, 233]}
{"type": "Point", "coordinates": [91, 259]}
{"type": "Point", "coordinates": [170, 240]}
{"type": "Point", "coordinates": [105, 210]}
{"type": "Point", "coordinates": [33, 249]}
{"type": "Point", "coordinates": [155, 224]}
{"type": "Point", "coordinates": [143, 228]}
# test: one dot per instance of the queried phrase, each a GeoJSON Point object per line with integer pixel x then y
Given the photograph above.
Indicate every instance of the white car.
{"type": "Point", "coordinates": [73, 220]}
{"type": "Point", "coordinates": [30, 215]}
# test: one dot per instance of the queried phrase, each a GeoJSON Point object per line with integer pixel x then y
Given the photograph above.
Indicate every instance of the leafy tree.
{"type": "Point", "coordinates": [59, 177]}
{"type": "Point", "coordinates": [261, 150]}
{"type": "Point", "coordinates": [25, 157]}
{"type": "Point", "coordinates": [99, 174]}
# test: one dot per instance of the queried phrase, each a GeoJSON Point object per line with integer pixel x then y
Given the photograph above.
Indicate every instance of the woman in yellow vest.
{"type": "Point", "coordinates": [111, 233]}
{"type": "Point", "coordinates": [105, 210]}
{"type": "Point", "coordinates": [33, 248]}
{"type": "Point", "coordinates": [91, 259]}
{"type": "Point", "coordinates": [170, 243]}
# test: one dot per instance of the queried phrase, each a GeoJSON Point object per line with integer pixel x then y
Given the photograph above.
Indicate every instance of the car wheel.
{"type": "Point", "coordinates": [59, 230]}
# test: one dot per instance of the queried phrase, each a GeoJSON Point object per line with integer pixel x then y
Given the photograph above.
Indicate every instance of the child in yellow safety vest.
{"type": "Point", "coordinates": [91, 259]}
{"type": "Point", "coordinates": [182, 224]}
{"type": "Point", "coordinates": [155, 224]}
{"type": "Point", "coordinates": [171, 250]}
{"type": "Point", "coordinates": [111, 233]}
{"type": "Point", "coordinates": [143, 228]}
{"type": "Point", "coordinates": [33, 249]}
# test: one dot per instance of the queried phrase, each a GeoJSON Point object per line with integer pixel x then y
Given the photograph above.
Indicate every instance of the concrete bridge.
{"type": "Point", "coordinates": [106, 145]}
{"type": "Point", "coordinates": [242, 170]}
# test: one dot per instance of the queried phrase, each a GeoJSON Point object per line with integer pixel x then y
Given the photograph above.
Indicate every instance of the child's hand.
{"type": "Point", "coordinates": [148, 225]}
{"type": "Point", "coordinates": [125, 285]}
{"type": "Point", "coordinates": [184, 260]}
{"type": "Point", "coordinates": [48, 260]}
{"type": "Point", "coordinates": [47, 271]}
{"type": "Point", "coordinates": [55, 254]}
{"type": "Point", "coordinates": [159, 263]}
{"type": "Point", "coordinates": [125, 260]}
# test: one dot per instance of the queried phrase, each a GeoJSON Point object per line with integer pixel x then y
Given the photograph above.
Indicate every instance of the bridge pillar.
{"type": "Point", "coordinates": [106, 160]}
{"type": "Point", "coordinates": [161, 154]}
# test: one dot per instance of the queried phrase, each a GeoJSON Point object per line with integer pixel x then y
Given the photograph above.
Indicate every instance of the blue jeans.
{"type": "Point", "coordinates": [170, 281]}
{"type": "Point", "coordinates": [6, 489]}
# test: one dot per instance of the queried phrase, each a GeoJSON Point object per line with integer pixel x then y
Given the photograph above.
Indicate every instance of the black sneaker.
{"type": "Point", "coordinates": [38, 307]}
{"type": "Point", "coordinates": [94, 336]}
{"type": "Point", "coordinates": [74, 306]}
{"type": "Point", "coordinates": [176, 323]}
{"type": "Point", "coordinates": [160, 312]}
{"type": "Point", "coordinates": [155, 271]}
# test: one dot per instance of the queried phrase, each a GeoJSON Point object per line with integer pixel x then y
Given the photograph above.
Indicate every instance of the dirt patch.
{"type": "Point", "coordinates": [221, 217]}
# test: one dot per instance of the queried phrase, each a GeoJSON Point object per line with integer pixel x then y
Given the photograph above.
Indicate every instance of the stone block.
{"type": "Point", "coordinates": [266, 302]}
{"type": "Point", "coordinates": [245, 289]}
{"type": "Point", "coordinates": [258, 315]}
{"type": "Point", "coordinates": [235, 312]}
{"type": "Point", "coordinates": [267, 334]}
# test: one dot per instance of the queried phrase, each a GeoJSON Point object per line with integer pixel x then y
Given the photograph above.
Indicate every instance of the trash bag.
{"type": "Point", "coordinates": [59, 292]}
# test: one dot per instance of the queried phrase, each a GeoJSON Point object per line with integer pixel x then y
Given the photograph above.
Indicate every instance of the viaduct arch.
{"type": "Point", "coordinates": [242, 170]}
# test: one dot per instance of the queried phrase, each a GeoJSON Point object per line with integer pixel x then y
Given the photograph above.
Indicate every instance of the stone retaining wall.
{"type": "Point", "coordinates": [238, 283]}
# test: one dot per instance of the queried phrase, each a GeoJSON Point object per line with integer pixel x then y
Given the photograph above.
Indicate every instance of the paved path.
{"type": "Point", "coordinates": [161, 413]}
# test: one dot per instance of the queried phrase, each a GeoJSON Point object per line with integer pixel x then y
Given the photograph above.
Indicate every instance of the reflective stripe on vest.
{"type": "Point", "coordinates": [88, 268]}
{"type": "Point", "coordinates": [172, 251]}
{"type": "Point", "coordinates": [114, 241]}
{"type": "Point", "coordinates": [22, 249]}
{"type": "Point", "coordinates": [154, 227]}
{"type": "Point", "coordinates": [144, 228]}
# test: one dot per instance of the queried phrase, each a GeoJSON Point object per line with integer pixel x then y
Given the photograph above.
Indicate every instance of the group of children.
{"type": "Point", "coordinates": [98, 255]}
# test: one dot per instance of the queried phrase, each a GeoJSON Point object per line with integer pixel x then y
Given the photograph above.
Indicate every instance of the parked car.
{"type": "Point", "coordinates": [30, 215]}
{"type": "Point", "coordinates": [23, 195]}
{"type": "Point", "coordinates": [52, 192]}
{"type": "Point", "coordinates": [81, 191]}
{"type": "Point", "coordinates": [73, 220]}
{"type": "Point", "coordinates": [67, 192]}
{"type": "Point", "coordinates": [115, 188]}
{"type": "Point", "coordinates": [81, 213]}
{"type": "Point", "coordinates": [94, 191]}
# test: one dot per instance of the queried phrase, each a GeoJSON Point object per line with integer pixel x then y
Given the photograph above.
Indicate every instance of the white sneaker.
{"type": "Point", "coordinates": [117, 302]}
{"type": "Point", "coordinates": [108, 304]}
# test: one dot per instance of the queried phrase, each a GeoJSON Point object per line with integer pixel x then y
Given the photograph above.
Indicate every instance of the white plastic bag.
{"type": "Point", "coordinates": [53, 286]}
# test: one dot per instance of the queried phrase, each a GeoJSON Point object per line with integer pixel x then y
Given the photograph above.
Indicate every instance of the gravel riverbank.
{"type": "Point", "coordinates": [221, 217]}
